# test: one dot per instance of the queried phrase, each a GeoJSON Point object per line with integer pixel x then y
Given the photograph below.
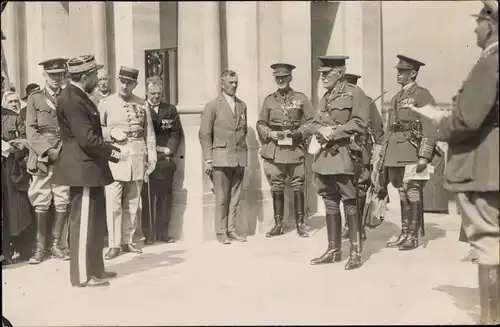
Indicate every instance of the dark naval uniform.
{"type": "Point", "coordinates": [288, 113]}
{"type": "Point", "coordinates": [168, 132]}
{"type": "Point", "coordinates": [373, 138]}
{"type": "Point", "coordinates": [17, 213]}
{"type": "Point", "coordinates": [83, 165]}
{"type": "Point", "coordinates": [42, 133]}
{"type": "Point", "coordinates": [345, 108]}
{"type": "Point", "coordinates": [472, 172]}
{"type": "Point", "coordinates": [403, 149]}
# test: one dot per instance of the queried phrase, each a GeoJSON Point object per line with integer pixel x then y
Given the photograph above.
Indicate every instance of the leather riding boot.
{"type": "Point", "coordinates": [57, 227]}
{"type": "Point", "coordinates": [411, 241]}
{"type": "Point", "coordinates": [489, 294]}
{"type": "Point", "coordinates": [405, 225]}
{"type": "Point", "coordinates": [334, 251]}
{"type": "Point", "coordinates": [345, 230]}
{"type": "Point", "coordinates": [299, 213]}
{"type": "Point", "coordinates": [279, 208]}
{"type": "Point", "coordinates": [41, 237]}
{"type": "Point", "coordinates": [355, 237]}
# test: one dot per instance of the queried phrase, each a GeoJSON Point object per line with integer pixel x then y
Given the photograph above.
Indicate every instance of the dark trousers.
{"type": "Point", "coordinates": [228, 183]}
{"type": "Point", "coordinates": [87, 219]}
{"type": "Point", "coordinates": [160, 193]}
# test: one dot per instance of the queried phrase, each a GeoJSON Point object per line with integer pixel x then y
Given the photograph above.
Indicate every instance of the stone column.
{"type": "Point", "coordinates": [47, 36]}
{"type": "Point", "coordinates": [243, 57]}
{"type": "Point", "coordinates": [373, 54]}
{"type": "Point", "coordinates": [199, 82]}
{"type": "Point", "coordinates": [11, 46]}
{"type": "Point", "coordinates": [100, 36]}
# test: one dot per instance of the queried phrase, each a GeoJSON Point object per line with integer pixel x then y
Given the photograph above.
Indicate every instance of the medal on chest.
{"type": "Point", "coordinates": [407, 102]}
{"type": "Point", "coordinates": [166, 124]}
{"type": "Point", "coordinates": [139, 111]}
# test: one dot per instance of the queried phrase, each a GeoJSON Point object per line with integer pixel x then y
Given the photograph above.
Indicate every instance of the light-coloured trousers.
{"type": "Point", "coordinates": [122, 203]}
{"type": "Point", "coordinates": [480, 216]}
{"type": "Point", "coordinates": [42, 192]}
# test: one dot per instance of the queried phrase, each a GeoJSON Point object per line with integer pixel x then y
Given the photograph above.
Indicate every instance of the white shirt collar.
{"type": "Point", "coordinates": [407, 86]}
{"type": "Point", "coordinates": [489, 47]}
{"type": "Point", "coordinates": [230, 99]}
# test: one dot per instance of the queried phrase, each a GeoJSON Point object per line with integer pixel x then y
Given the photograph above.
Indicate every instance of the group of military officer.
{"type": "Point", "coordinates": [143, 130]}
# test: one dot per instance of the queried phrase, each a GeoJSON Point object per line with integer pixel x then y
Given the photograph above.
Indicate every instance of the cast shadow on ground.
{"type": "Point", "coordinates": [147, 261]}
{"type": "Point", "coordinates": [465, 299]}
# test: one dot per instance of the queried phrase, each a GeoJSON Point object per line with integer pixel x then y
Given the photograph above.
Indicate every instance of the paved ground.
{"type": "Point", "coordinates": [265, 281]}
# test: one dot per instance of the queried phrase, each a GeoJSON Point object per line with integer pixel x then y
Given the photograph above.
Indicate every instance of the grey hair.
{"type": "Point", "coordinates": [227, 73]}
{"type": "Point", "coordinates": [154, 80]}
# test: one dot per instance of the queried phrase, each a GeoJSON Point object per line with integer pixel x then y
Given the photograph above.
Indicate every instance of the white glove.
{"type": "Point", "coordinates": [117, 135]}
{"type": "Point", "coordinates": [150, 168]}
{"type": "Point", "coordinates": [164, 150]}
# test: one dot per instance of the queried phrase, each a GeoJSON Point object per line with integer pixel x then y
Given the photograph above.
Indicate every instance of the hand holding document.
{"type": "Point", "coordinates": [411, 173]}
{"type": "Point", "coordinates": [431, 112]}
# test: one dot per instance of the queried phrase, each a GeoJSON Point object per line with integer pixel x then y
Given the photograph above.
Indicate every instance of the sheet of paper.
{"type": "Point", "coordinates": [6, 147]}
{"type": "Point", "coordinates": [411, 173]}
{"type": "Point", "coordinates": [314, 146]}
{"type": "Point", "coordinates": [430, 112]}
{"type": "Point", "coordinates": [286, 141]}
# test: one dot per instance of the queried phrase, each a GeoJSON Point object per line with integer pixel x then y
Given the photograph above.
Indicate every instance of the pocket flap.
{"type": "Point", "coordinates": [219, 144]}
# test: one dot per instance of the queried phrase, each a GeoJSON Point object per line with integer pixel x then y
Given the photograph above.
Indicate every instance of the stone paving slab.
{"type": "Point", "coordinates": [262, 282]}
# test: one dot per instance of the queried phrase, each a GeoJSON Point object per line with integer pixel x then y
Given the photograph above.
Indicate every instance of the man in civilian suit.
{"type": "Point", "coordinates": [222, 136]}
{"type": "Point", "coordinates": [83, 165]}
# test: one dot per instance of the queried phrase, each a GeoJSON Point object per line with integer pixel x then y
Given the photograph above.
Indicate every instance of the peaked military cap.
{"type": "Point", "coordinates": [54, 65]}
{"type": "Point", "coordinates": [489, 11]}
{"type": "Point", "coordinates": [128, 73]}
{"type": "Point", "coordinates": [329, 62]}
{"type": "Point", "coordinates": [408, 63]}
{"type": "Point", "coordinates": [282, 69]}
{"type": "Point", "coordinates": [352, 78]}
{"type": "Point", "coordinates": [83, 64]}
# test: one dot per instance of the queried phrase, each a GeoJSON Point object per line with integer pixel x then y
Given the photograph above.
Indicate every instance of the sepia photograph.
{"type": "Point", "coordinates": [239, 163]}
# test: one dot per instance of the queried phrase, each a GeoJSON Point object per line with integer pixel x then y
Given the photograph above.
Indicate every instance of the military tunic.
{"type": "Point", "coordinates": [123, 195]}
{"type": "Point", "coordinates": [472, 134]}
{"type": "Point", "coordinates": [347, 108]}
{"type": "Point", "coordinates": [42, 132]}
{"type": "Point", "coordinates": [400, 152]}
{"type": "Point", "coordinates": [293, 112]}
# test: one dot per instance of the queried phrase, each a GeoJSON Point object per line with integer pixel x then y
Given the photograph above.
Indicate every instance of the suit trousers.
{"type": "Point", "coordinates": [122, 204]}
{"type": "Point", "coordinates": [161, 194]}
{"type": "Point", "coordinates": [480, 216]}
{"type": "Point", "coordinates": [87, 230]}
{"type": "Point", "coordinates": [228, 183]}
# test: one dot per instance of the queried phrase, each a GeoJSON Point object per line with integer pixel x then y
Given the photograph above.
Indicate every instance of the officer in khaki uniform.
{"type": "Point", "coordinates": [472, 134]}
{"type": "Point", "coordinates": [374, 138]}
{"type": "Point", "coordinates": [127, 124]}
{"type": "Point", "coordinates": [42, 132]}
{"type": "Point", "coordinates": [283, 128]}
{"type": "Point", "coordinates": [403, 148]}
{"type": "Point", "coordinates": [343, 112]}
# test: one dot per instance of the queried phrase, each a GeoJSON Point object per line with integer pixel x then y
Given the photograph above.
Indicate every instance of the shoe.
{"type": "Point", "coordinates": [107, 275]}
{"type": "Point", "coordinates": [148, 241]}
{"type": "Point", "coordinates": [112, 253]}
{"type": "Point", "coordinates": [95, 282]}
{"type": "Point", "coordinates": [223, 239]}
{"type": "Point", "coordinates": [235, 237]}
{"type": "Point", "coordinates": [130, 248]}
{"type": "Point", "coordinates": [166, 239]}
